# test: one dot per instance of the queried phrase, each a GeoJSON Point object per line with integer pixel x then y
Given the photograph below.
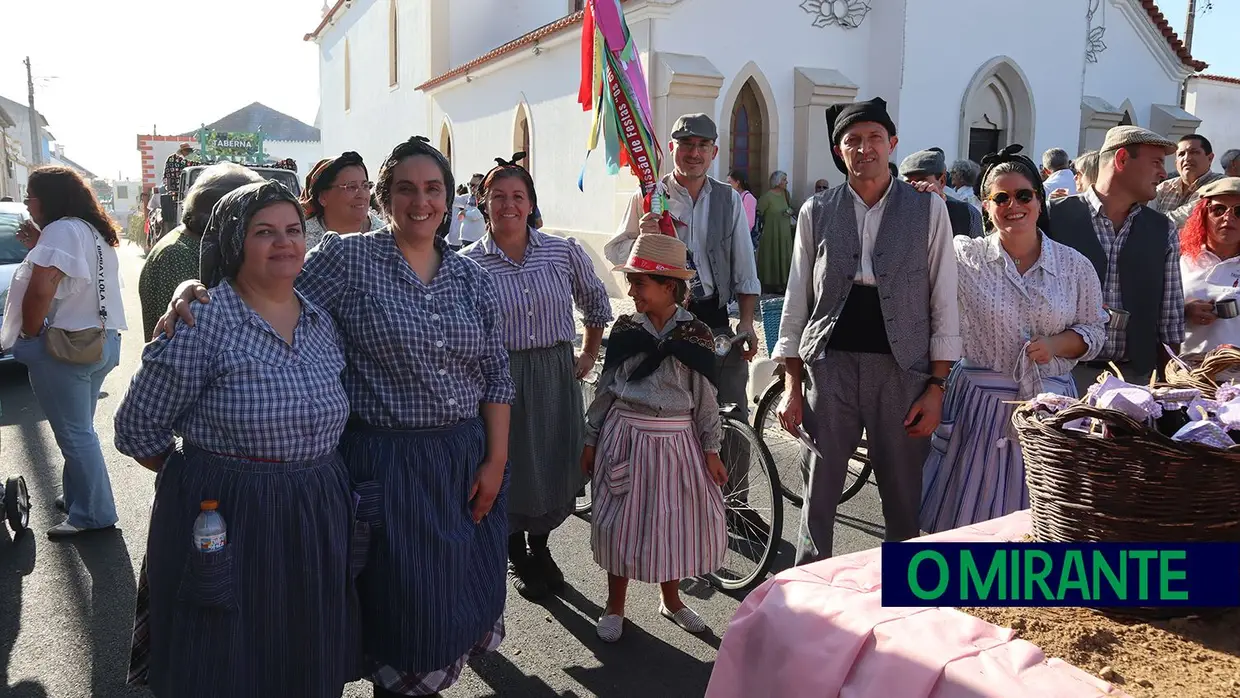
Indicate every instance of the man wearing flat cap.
{"type": "Point", "coordinates": [870, 327]}
{"type": "Point", "coordinates": [1134, 249]}
{"type": "Point", "coordinates": [711, 221]}
{"type": "Point", "coordinates": [926, 170]}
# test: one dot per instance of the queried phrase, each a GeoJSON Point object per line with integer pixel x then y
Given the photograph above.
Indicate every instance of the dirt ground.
{"type": "Point", "coordinates": [1190, 657]}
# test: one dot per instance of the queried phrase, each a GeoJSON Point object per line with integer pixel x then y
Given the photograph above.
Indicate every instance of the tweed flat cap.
{"type": "Point", "coordinates": [924, 162]}
{"type": "Point", "coordinates": [1221, 187]}
{"type": "Point", "coordinates": [691, 125]}
{"type": "Point", "coordinates": [1124, 136]}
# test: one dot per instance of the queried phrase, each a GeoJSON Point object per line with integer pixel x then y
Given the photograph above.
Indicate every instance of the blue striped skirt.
{"type": "Point", "coordinates": [975, 471]}
{"type": "Point", "coordinates": [433, 582]}
{"type": "Point", "coordinates": [273, 612]}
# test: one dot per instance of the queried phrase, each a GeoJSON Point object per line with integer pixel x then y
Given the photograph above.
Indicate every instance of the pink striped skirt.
{"type": "Point", "coordinates": [657, 517]}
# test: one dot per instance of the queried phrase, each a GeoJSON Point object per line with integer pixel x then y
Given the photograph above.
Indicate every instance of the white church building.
{"type": "Point", "coordinates": [485, 78]}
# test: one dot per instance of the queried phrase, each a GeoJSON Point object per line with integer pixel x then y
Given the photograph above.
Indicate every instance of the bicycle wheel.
{"type": "Point", "coordinates": [753, 507]}
{"type": "Point", "coordinates": [785, 451]}
{"type": "Point", "coordinates": [790, 456]}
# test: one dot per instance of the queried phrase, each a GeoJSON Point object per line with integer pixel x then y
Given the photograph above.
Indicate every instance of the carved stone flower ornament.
{"type": "Point", "coordinates": [846, 13]}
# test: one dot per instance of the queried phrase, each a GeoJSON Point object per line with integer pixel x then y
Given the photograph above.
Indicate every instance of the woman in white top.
{"type": "Point", "coordinates": [1030, 309]}
{"type": "Point", "coordinates": [465, 209]}
{"type": "Point", "coordinates": [1210, 268]}
{"type": "Point", "coordinates": [69, 283]}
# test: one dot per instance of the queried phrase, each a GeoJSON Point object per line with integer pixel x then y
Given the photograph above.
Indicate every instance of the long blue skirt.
{"type": "Point", "coordinates": [273, 613]}
{"type": "Point", "coordinates": [433, 584]}
{"type": "Point", "coordinates": [975, 471]}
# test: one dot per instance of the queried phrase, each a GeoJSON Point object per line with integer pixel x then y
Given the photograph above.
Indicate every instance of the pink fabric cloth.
{"type": "Point", "coordinates": [821, 630]}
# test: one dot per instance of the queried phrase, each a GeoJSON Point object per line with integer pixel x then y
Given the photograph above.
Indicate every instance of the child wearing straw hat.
{"type": "Point", "coordinates": [652, 442]}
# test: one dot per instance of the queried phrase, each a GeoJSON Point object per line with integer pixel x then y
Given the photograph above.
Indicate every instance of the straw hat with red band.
{"type": "Point", "coordinates": [658, 255]}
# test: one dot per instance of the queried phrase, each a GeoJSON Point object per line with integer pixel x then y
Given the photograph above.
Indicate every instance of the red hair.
{"type": "Point", "coordinates": [1195, 233]}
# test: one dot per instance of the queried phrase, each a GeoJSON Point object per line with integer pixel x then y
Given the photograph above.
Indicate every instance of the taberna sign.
{"type": "Point", "coordinates": [231, 145]}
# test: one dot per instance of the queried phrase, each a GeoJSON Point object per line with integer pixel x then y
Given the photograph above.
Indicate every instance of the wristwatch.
{"type": "Point", "coordinates": [940, 382]}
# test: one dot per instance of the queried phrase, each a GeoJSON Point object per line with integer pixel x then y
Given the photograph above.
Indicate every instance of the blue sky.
{"type": "Point", "coordinates": [1214, 39]}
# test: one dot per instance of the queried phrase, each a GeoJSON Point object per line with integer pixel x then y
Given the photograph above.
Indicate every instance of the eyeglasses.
{"type": "Point", "coordinates": [354, 187]}
{"type": "Point", "coordinates": [1003, 198]}
{"type": "Point", "coordinates": [1220, 210]}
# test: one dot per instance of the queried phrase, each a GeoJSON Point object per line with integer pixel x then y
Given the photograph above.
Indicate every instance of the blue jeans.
{"type": "Point", "coordinates": [68, 394]}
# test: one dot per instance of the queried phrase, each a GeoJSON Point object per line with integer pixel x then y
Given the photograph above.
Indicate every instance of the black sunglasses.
{"type": "Point", "coordinates": [1002, 198]}
{"type": "Point", "coordinates": [1220, 210]}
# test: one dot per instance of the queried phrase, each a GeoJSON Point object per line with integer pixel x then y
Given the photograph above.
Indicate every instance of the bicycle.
{"type": "Point", "coordinates": [791, 456]}
{"type": "Point", "coordinates": [754, 509]}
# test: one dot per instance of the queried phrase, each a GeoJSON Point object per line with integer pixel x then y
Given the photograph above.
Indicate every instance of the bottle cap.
{"type": "Point", "coordinates": [210, 505]}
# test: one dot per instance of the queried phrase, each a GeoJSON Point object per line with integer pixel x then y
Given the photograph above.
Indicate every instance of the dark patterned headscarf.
{"type": "Point", "coordinates": [224, 239]}
{"type": "Point", "coordinates": [502, 170]}
{"type": "Point", "coordinates": [1011, 155]}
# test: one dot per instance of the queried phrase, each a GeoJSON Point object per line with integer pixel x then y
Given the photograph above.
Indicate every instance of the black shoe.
{"type": "Point", "coordinates": [527, 578]}
{"type": "Point", "coordinates": [551, 573]}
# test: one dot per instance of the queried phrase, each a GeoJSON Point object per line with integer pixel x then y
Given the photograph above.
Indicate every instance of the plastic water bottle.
{"type": "Point", "coordinates": [210, 533]}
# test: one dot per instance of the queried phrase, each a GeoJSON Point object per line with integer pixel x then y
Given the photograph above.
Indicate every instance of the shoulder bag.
{"type": "Point", "coordinates": [83, 347]}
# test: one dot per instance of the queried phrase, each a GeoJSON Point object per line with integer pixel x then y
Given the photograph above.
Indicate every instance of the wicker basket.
{"type": "Point", "coordinates": [1133, 485]}
{"type": "Point", "coordinates": [1221, 359]}
{"type": "Point", "coordinates": [772, 309]}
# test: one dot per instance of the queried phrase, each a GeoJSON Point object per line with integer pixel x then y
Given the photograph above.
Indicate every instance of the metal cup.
{"type": "Point", "coordinates": [1117, 318]}
{"type": "Point", "coordinates": [1227, 308]}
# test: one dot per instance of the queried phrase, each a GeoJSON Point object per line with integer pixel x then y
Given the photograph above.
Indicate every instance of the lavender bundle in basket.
{"type": "Point", "coordinates": [1204, 430]}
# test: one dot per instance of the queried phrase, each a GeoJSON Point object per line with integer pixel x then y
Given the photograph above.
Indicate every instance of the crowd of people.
{"type": "Point", "coordinates": [381, 395]}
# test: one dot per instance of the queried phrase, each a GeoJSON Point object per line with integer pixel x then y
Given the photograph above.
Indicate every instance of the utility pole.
{"type": "Point", "coordinates": [36, 145]}
{"type": "Point", "coordinates": [1188, 25]}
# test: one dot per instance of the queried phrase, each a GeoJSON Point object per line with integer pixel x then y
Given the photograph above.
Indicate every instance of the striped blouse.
{"type": "Point", "coordinates": [537, 294]}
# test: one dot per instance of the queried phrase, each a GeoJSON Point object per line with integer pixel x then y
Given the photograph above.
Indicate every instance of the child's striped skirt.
{"type": "Point", "coordinates": [657, 515]}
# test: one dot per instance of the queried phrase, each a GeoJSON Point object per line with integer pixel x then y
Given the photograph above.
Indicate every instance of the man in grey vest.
{"type": "Point", "coordinates": [926, 170]}
{"type": "Point", "coordinates": [1135, 250]}
{"type": "Point", "coordinates": [870, 327]}
{"type": "Point", "coordinates": [711, 221]}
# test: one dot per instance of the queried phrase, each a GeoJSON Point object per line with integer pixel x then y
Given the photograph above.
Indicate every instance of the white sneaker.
{"type": "Point", "coordinates": [686, 618]}
{"type": "Point", "coordinates": [610, 627]}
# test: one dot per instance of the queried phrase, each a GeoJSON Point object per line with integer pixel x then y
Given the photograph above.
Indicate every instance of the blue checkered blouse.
{"type": "Point", "coordinates": [419, 355]}
{"type": "Point", "coordinates": [231, 385]}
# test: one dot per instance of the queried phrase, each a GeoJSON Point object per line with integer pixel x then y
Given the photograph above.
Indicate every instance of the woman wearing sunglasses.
{"type": "Point", "coordinates": [337, 199]}
{"type": "Point", "coordinates": [1210, 269]}
{"type": "Point", "coordinates": [1030, 309]}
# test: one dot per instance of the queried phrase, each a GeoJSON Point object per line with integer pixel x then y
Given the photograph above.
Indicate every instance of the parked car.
{"type": "Point", "coordinates": [12, 253]}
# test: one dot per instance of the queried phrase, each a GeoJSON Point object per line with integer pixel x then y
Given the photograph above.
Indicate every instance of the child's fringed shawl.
{"type": "Point", "coordinates": [690, 342]}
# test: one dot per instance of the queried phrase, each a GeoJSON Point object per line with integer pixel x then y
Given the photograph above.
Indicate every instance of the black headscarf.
{"type": "Point", "coordinates": [841, 117]}
{"type": "Point", "coordinates": [224, 239]}
{"type": "Point", "coordinates": [502, 165]}
{"type": "Point", "coordinates": [322, 176]}
{"type": "Point", "coordinates": [415, 146]}
{"type": "Point", "coordinates": [1011, 154]}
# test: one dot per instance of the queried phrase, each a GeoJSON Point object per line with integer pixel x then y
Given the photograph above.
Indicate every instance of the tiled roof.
{"type": "Point", "coordinates": [323, 24]}
{"type": "Point", "coordinates": [1161, 23]}
{"type": "Point", "coordinates": [535, 36]}
{"type": "Point", "coordinates": [1218, 78]}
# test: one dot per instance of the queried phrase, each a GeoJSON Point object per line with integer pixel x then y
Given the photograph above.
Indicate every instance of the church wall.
{"type": "Point", "coordinates": [945, 50]}
{"type": "Point", "coordinates": [1130, 69]}
{"type": "Point", "coordinates": [481, 25]}
{"type": "Point", "coordinates": [380, 115]}
{"type": "Point", "coordinates": [483, 117]}
{"type": "Point", "coordinates": [1216, 104]}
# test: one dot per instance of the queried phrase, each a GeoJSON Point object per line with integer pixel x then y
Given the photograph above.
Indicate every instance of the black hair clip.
{"type": "Point", "coordinates": [1008, 153]}
{"type": "Point", "coordinates": [516, 158]}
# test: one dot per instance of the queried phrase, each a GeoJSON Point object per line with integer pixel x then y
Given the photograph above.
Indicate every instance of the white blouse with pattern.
{"type": "Point", "coordinates": [1000, 310]}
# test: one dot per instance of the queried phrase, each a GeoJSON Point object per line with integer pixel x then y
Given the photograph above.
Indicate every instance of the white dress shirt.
{"type": "Point", "coordinates": [1061, 179]}
{"type": "Point", "coordinates": [945, 343]}
{"type": "Point", "coordinates": [1208, 278]}
{"type": "Point", "coordinates": [692, 220]}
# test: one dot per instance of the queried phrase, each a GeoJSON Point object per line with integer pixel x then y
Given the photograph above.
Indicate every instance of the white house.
{"type": "Point", "coordinates": [19, 148]}
{"type": "Point", "coordinates": [1215, 99]}
{"type": "Point", "coordinates": [484, 78]}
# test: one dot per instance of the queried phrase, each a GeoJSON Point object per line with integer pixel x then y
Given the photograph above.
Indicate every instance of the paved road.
{"type": "Point", "coordinates": [66, 608]}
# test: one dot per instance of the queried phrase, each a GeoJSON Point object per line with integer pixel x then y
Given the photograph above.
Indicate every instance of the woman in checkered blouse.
{"type": "Point", "coordinates": [427, 444]}
{"type": "Point", "coordinates": [254, 392]}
